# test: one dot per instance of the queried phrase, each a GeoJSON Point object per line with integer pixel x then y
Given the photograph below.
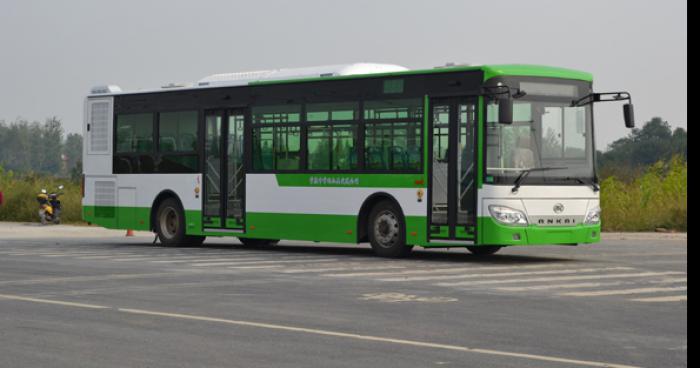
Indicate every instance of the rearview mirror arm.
{"type": "Point", "coordinates": [602, 97]}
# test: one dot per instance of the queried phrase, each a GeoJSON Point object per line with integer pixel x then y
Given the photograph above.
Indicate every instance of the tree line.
{"type": "Point", "coordinates": [40, 148]}
{"type": "Point", "coordinates": [627, 157]}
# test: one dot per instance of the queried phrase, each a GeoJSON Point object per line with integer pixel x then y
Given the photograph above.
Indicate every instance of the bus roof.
{"type": "Point", "coordinates": [350, 71]}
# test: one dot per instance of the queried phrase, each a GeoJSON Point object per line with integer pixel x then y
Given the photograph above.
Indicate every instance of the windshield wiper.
{"type": "Point", "coordinates": [590, 183]}
{"type": "Point", "coordinates": [526, 172]}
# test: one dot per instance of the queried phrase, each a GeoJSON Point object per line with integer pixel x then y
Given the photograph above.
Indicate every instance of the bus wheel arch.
{"type": "Point", "coordinates": [366, 210]}
{"type": "Point", "coordinates": [162, 196]}
{"type": "Point", "coordinates": [180, 238]}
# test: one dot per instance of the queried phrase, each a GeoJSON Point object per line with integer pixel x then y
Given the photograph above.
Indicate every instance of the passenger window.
{"type": "Point", "coordinates": [277, 137]}
{"type": "Point", "coordinates": [134, 133]}
{"type": "Point", "coordinates": [393, 146]}
{"type": "Point", "coordinates": [332, 135]}
{"type": "Point", "coordinates": [393, 134]}
{"type": "Point", "coordinates": [178, 131]}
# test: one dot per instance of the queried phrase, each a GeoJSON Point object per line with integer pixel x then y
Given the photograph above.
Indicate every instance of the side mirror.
{"type": "Point", "coordinates": [628, 111]}
{"type": "Point", "coordinates": [505, 110]}
{"type": "Point", "coordinates": [43, 191]}
{"type": "Point", "coordinates": [60, 187]}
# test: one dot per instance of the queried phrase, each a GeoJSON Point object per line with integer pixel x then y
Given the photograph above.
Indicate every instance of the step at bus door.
{"type": "Point", "coordinates": [224, 170]}
{"type": "Point", "coordinates": [452, 165]}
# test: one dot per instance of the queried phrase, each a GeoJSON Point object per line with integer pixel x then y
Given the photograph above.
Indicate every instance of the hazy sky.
{"type": "Point", "coordinates": [52, 52]}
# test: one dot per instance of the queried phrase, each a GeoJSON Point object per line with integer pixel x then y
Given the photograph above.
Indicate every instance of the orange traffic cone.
{"type": "Point", "coordinates": [129, 232]}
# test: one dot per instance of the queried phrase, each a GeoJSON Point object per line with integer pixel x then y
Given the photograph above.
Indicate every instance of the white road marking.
{"type": "Point", "coordinates": [154, 259]}
{"type": "Point", "coordinates": [401, 297]}
{"type": "Point", "coordinates": [127, 259]}
{"type": "Point", "coordinates": [559, 286]}
{"type": "Point", "coordinates": [663, 299]}
{"type": "Point", "coordinates": [625, 291]}
{"type": "Point", "coordinates": [104, 256]}
{"type": "Point", "coordinates": [671, 280]}
{"type": "Point", "coordinates": [85, 278]}
{"type": "Point", "coordinates": [346, 268]}
{"type": "Point", "coordinates": [22, 254]}
{"type": "Point", "coordinates": [48, 301]}
{"type": "Point", "coordinates": [560, 278]}
{"type": "Point", "coordinates": [432, 270]}
{"type": "Point", "coordinates": [71, 254]}
{"type": "Point", "coordinates": [508, 274]}
{"type": "Point", "coordinates": [254, 267]}
{"type": "Point", "coordinates": [200, 259]}
{"type": "Point", "coordinates": [352, 336]}
{"type": "Point", "coordinates": [336, 334]}
{"type": "Point", "coordinates": [243, 263]}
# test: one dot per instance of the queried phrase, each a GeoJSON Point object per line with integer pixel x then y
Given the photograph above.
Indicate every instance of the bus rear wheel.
{"type": "Point", "coordinates": [248, 242]}
{"type": "Point", "coordinates": [484, 250]}
{"type": "Point", "coordinates": [387, 231]}
{"type": "Point", "coordinates": [170, 225]}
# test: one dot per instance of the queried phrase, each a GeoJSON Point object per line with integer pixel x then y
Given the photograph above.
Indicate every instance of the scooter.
{"type": "Point", "coordinates": [49, 206]}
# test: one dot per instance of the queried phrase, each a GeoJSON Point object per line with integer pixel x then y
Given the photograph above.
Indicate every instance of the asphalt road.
{"type": "Point", "coordinates": [88, 297]}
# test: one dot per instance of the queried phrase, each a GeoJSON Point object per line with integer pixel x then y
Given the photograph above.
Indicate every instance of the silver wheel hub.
{"type": "Point", "coordinates": [386, 229]}
{"type": "Point", "coordinates": [169, 222]}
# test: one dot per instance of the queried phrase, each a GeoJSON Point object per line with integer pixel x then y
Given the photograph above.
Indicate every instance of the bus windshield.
{"type": "Point", "coordinates": [545, 133]}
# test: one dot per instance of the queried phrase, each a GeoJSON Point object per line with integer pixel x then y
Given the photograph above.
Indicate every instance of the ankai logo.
{"type": "Point", "coordinates": [558, 208]}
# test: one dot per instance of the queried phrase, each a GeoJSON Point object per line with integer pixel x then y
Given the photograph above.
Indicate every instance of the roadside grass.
{"type": "Point", "coordinates": [656, 199]}
{"type": "Point", "coordinates": [20, 191]}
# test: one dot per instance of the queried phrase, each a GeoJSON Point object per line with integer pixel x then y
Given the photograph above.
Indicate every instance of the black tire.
{"type": "Point", "coordinates": [387, 231]}
{"type": "Point", "coordinates": [248, 242]}
{"type": "Point", "coordinates": [484, 250]}
{"type": "Point", "coordinates": [170, 225]}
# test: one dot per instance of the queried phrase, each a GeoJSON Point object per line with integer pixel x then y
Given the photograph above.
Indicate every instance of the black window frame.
{"type": "Point", "coordinates": [302, 138]}
{"type": "Point", "coordinates": [330, 123]}
{"type": "Point", "coordinates": [417, 120]}
{"type": "Point", "coordinates": [155, 155]}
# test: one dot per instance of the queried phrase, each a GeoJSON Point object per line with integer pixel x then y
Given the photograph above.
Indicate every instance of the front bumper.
{"type": "Point", "coordinates": [493, 233]}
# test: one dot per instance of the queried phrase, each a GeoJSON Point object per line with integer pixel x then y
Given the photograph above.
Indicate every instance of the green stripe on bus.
{"type": "Point", "coordinates": [326, 228]}
{"type": "Point", "coordinates": [135, 218]}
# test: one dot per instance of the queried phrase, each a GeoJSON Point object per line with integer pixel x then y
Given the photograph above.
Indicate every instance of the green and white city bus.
{"type": "Point", "coordinates": [460, 156]}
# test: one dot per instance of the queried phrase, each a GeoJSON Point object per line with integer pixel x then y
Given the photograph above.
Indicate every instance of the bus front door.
{"type": "Point", "coordinates": [452, 203]}
{"type": "Point", "coordinates": [224, 171]}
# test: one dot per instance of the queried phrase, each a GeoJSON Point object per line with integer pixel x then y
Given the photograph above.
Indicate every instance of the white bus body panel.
{"type": "Point", "coordinates": [97, 148]}
{"type": "Point", "coordinates": [146, 188]}
{"type": "Point", "coordinates": [265, 195]}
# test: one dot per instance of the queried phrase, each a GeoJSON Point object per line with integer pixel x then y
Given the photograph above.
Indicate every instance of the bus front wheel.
{"type": "Point", "coordinates": [387, 231]}
{"type": "Point", "coordinates": [484, 250]}
{"type": "Point", "coordinates": [170, 225]}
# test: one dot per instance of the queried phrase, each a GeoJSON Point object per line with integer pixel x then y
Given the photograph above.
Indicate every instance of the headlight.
{"type": "Point", "coordinates": [508, 216]}
{"type": "Point", "coordinates": [593, 217]}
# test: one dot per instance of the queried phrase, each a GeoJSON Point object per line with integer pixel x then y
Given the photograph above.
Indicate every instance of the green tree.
{"type": "Point", "coordinates": [34, 147]}
{"type": "Point", "coordinates": [51, 146]}
{"type": "Point", "coordinates": [73, 151]}
{"type": "Point", "coordinates": [654, 142]}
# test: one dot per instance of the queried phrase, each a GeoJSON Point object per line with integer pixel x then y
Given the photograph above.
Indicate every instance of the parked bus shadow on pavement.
{"type": "Point", "coordinates": [453, 255]}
